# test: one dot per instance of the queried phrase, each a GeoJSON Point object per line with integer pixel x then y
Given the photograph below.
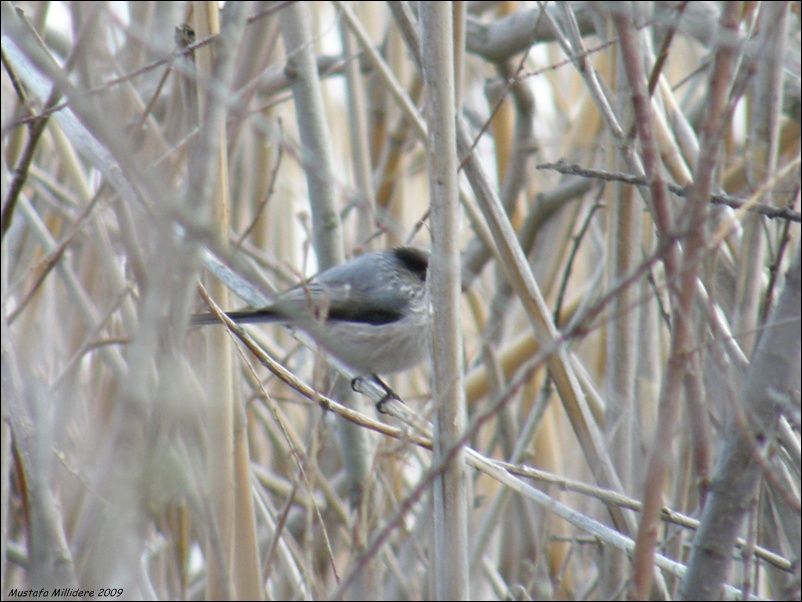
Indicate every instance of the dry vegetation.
{"type": "Point", "coordinates": [630, 323]}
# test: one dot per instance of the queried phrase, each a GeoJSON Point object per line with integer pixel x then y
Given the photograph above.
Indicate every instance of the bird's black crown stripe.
{"type": "Point", "coordinates": [415, 260]}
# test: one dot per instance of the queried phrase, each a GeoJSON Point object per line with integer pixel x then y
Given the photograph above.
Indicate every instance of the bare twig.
{"type": "Point", "coordinates": [717, 199]}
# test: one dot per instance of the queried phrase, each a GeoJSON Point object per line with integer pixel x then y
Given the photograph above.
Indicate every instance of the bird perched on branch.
{"type": "Point", "coordinates": [372, 313]}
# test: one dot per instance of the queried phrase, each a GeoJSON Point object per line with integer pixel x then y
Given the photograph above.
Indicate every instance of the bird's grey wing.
{"type": "Point", "coordinates": [340, 301]}
{"type": "Point", "coordinates": [357, 291]}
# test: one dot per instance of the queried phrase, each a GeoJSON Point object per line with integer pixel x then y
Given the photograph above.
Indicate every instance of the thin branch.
{"type": "Point", "coordinates": [716, 199]}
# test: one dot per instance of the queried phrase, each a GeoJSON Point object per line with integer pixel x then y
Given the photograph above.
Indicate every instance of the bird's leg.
{"type": "Point", "coordinates": [357, 385]}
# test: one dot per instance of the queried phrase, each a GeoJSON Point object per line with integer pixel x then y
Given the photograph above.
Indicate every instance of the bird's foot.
{"type": "Point", "coordinates": [358, 385]}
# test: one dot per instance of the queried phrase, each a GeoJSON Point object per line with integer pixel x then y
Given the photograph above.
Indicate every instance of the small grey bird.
{"type": "Point", "coordinates": [372, 313]}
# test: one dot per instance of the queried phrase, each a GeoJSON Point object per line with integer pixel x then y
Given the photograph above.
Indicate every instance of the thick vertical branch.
{"type": "Point", "coordinates": [763, 149]}
{"type": "Point", "coordinates": [451, 488]}
{"type": "Point", "coordinates": [360, 145]}
{"type": "Point", "coordinates": [317, 153]}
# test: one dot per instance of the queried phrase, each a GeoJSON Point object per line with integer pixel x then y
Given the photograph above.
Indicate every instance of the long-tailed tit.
{"type": "Point", "coordinates": [372, 313]}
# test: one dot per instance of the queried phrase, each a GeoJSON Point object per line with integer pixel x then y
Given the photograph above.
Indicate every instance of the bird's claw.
{"type": "Point", "coordinates": [357, 384]}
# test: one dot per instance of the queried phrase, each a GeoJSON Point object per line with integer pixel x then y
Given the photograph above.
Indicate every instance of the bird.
{"type": "Point", "coordinates": [372, 313]}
